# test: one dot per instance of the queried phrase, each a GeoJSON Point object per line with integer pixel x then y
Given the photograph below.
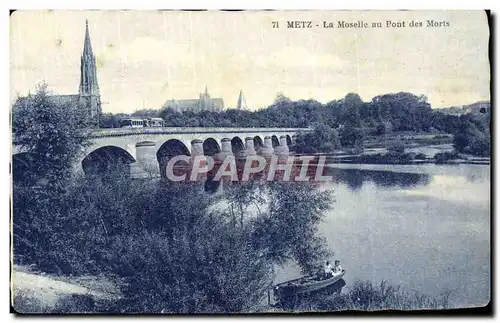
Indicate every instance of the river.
{"type": "Point", "coordinates": [424, 227]}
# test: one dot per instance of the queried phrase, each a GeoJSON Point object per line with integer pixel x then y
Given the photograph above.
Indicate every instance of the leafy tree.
{"type": "Point", "coordinates": [175, 254]}
{"type": "Point", "coordinates": [380, 129]}
{"type": "Point", "coordinates": [145, 113]}
{"type": "Point", "coordinates": [322, 140]}
{"type": "Point", "coordinates": [351, 137]}
{"type": "Point", "coordinates": [406, 111]}
{"type": "Point", "coordinates": [110, 120]}
{"type": "Point", "coordinates": [51, 133]}
{"type": "Point", "coordinates": [351, 106]}
{"type": "Point", "coordinates": [473, 136]}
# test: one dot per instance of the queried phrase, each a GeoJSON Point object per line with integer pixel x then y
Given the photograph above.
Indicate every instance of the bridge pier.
{"type": "Point", "coordinates": [226, 149]}
{"type": "Point", "coordinates": [282, 149]}
{"type": "Point", "coordinates": [146, 164]}
{"type": "Point", "coordinates": [249, 147]}
{"type": "Point", "coordinates": [196, 147]}
{"type": "Point", "coordinates": [267, 149]}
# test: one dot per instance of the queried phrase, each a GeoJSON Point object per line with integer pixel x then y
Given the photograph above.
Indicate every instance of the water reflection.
{"type": "Point", "coordinates": [355, 178]}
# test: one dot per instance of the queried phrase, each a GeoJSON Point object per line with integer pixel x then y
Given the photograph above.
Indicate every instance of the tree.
{"type": "Point", "coordinates": [174, 249]}
{"type": "Point", "coordinates": [406, 111]}
{"type": "Point", "coordinates": [52, 133]}
{"type": "Point", "coordinates": [473, 137]}
{"type": "Point", "coordinates": [322, 140]}
{"type": "Point", "coordinates": [110, 120]}
{"type": "Point", "coordinates": [281, 99]}
{"type": "Point", "coordinates": [145, 113]}
{"type": "Point", "coordinates": [351, 110]}
{"type": "Point", "coordinates": [351, 137]}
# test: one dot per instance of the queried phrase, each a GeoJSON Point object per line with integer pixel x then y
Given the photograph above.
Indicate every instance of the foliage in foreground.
{"type": "Point", "coordinates": [51, 133]}
{"type": "Point", "coordinates": [171, 253]}
{"type": "Point", "coordinates": [362, 296]}
{"type": "Point", "coordinates": [365, 296]}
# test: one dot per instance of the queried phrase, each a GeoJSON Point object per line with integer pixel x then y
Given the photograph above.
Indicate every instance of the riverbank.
{"type": "Point", "coordinates": [42, 293]}
{"type": "Point", "coordinates": [366, 296]}
{"type": "Point", "coordinates": [431, 154]}
{"type": "Point", "coordinates": [407, 159]}
{"type": "Point", "coordinates": [37, 292]}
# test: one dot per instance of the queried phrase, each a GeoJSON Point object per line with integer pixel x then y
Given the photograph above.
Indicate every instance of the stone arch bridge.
{"type": "Point", "coordinates": [146, 150]}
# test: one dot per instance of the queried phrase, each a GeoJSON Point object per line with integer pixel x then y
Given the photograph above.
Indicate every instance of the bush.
{"type": "Point", "coordinates": [365, 296]}
{"type": "Point", "coordinates": [351, 137]}
{"type": "Point", "coordinates": [397, 148]}
{"type": "Point", "coordinates": [172, 254]}
{"type": "Point", "coordinates": [322, 140]}
{"type": "Point", "coordinates": [53, 135]}
{"type": "Point", "coordinates": [443, 158]}
{"type": "Point", "coordinates": [380, 129]}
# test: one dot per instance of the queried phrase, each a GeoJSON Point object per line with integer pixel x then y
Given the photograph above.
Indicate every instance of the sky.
{"type": "Point", "coordinates": [145, 58]}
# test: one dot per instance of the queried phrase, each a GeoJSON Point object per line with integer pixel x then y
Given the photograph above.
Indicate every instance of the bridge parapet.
{"type": "Point", "coordinates": [118, 132]}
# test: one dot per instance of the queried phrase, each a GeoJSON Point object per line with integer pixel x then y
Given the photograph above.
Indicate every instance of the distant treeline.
{"type": "Point", "coordinates": [343, 122]}
{"type": "Point", "coordinates": [398, 112]}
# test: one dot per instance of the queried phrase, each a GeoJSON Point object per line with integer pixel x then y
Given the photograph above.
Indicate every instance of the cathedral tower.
{"type": "Point", "coordinates": [242, 103]}
{"type": "Point", "coordinates": [89, 89]}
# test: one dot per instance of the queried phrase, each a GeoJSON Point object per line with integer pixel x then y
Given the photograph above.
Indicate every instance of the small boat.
{"type": "Point", "coordinates": [303, 285]}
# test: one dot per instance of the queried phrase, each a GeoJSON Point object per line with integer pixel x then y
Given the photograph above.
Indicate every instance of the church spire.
{"type": "Point", "coordinates": [89, 88]}
{"type": "Point", "coordinates": [87, 45]}
{"type": "Point", "coordinates": [242, 104]}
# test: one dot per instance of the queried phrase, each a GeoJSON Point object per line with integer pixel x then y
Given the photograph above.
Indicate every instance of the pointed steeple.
{"type": "Point", "coordinates": [89, 88]}
{"type": "Point", "coordinates": [206, 90]}
{"type": "Point", "coordinates": [242, 104]}
{"type": "Point", "coordinates": [87, 45]}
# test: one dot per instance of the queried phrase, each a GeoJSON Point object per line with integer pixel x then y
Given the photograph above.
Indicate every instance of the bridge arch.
{"type": "Point", "coordinates": [169, 149]}
{"type": "Point", "coordinates": [257, 142]}
{"type": "Point", "coordinates": [211, 147]}
{"type": "Point", "coordinates": [237, 145]}
{"type": "Point", "coordinates": [107, 159]}
{"type": "Point", "coordinates": [275, 140]}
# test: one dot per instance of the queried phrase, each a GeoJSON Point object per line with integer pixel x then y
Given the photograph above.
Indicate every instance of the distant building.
{"type": "Point", "coordinates": [89, 88]}
{"type": "Point", "coordinates": [204, 102]}
{"type": "Point", "coordinates": [242, 103]}
{"type": "Point", "coordinates": [474, 108]}
{"type": "Point", "coordinates": [88, 94]}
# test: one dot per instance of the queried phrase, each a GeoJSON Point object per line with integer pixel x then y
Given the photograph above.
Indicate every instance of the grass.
{"type": "Point", "coordinates": [362, 296]}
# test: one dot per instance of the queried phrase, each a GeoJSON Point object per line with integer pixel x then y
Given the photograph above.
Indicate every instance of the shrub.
{"type": "Point", "coordinates": [442, 158]}
{"type": "Point", "coordinates": [396, 148]}
{"type": "Point", "coordinates": [172, 253]}
{"type": "Point", "coordinates": [365, 296]}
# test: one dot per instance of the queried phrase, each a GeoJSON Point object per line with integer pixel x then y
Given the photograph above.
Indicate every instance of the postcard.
{"type": "Point", "coordinates": [252, 161]}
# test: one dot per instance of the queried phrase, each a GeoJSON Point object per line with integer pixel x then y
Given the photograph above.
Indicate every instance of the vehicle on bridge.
{"type": "Point", "coordinates": [131, 123]}
{"type": "Point", "coordinates": [141, 123]}
{"type": "Point", "coordinates": [155, 122]}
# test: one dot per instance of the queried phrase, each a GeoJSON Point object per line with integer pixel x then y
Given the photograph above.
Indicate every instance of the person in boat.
{"type": "Point", "coordinates": [337, 269]}
{"type": "Point", "coordinates": [328, 270]}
